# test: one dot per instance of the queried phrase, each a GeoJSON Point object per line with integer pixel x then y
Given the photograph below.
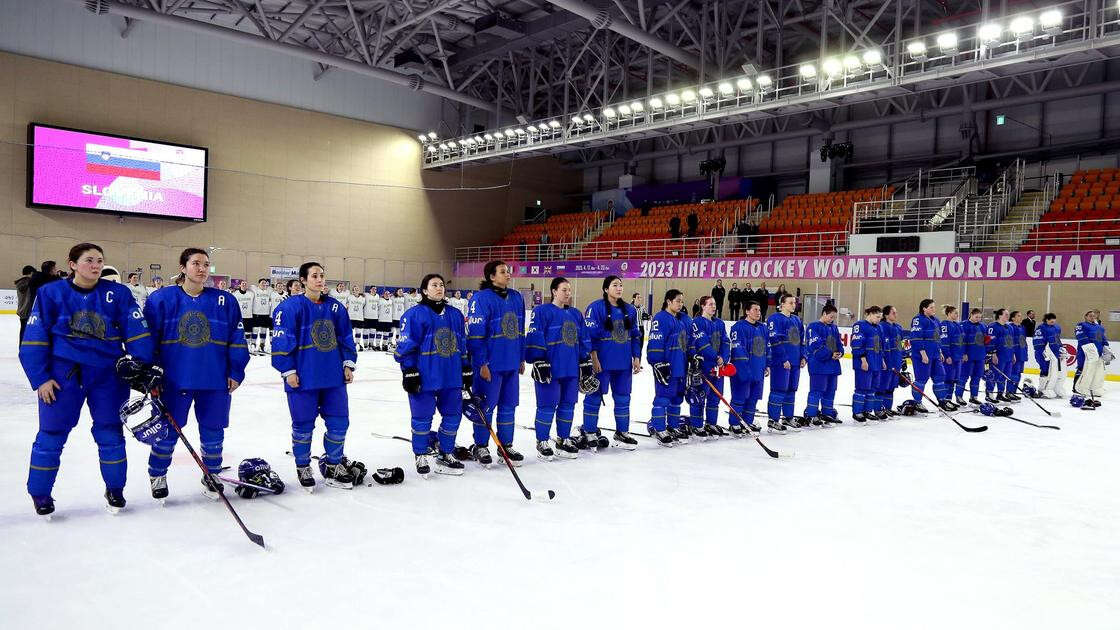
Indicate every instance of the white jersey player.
{"type": "Point", "coordinates": [244, 299]}
{"type": "Point", "coordinates": [139, 291]}
{"type": "Point", "coordinates": [458, 302]}
{"type": "Point", "coordinates": [384, 320]}
{"type": "Point", "coordinates": [275, 300]}
{"type": "Point", "coordinates": [262, 315]}
{"type": "Point", "coordinates": [369, 326]}
{"type": "Point", "coordinates": [400, 305]}
{"type": "Point", "coordinates": [356, 309]}
{"type": "Point", "coordinates": [340, 292]}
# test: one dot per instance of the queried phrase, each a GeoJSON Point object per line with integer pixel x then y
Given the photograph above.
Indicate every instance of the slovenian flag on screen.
{"type": "Point", "coordinates": [122, 163]}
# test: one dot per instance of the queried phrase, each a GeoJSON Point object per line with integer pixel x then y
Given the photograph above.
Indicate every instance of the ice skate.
{"type": "Point", "coordinates": [159, 488]}
{"type": "Point", "coordinates": [624, 441]}
{"type": "Point", "coordinates": [790, 424]}
{"type": "Point", "coordinates": [544, 451]}
{"type": "Point", "coordinates": [211, 487]}
{"type": "Point", "coordinates": [339, 476]}
{"type": "Point", "coordinates": [44, 506]}
{"type": "Point", "coordinates": [306, 478]}
{"type": "Point", "coordinates": [663, 438]}
{"type": "Point", "coordinates": [114, 500]}
{"type": "Point", "coordinates": [423, 466]}
{"type": "Point", "coordinates": [446, 464]}
{"type": "Point", "coordinates": [515, 458]}
{"type": "Point", "coordinates": [566, 448]}
{"type": "Point", "coordinates": [774, 426]}
{"type": "Point", "coordinates": [481, 454]}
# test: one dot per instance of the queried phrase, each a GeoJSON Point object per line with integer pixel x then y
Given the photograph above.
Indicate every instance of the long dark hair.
{"type": "Point", "coordinates": [490, 269]}
{"type": "Point", "coordinates": [607, 304]}
{"type": "Point", "coordinates": [670, 295]}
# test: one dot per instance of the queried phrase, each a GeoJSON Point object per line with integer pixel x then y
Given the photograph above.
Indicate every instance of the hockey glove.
{"type": "Point", "coordinates": [904, 378]}
{"type": "Point", "coordinates": [662, 372]}
{"type": "Point", "coordinates": [468, 376]}
{"type": "Point", "coordinates": [1106, 355]}
{"type": "Point", "coordinates": [143, 377]}
{"type": "Point", "coordinates": [542, 372]}
{"type": "Point", "coordinates": [358, 469]}
{"type": "Point", "coordinates": [388, 476]}
{"type": "Point", "coordinates": [411, 381]}
{"type": "Point", "coordinates": [586, 369]}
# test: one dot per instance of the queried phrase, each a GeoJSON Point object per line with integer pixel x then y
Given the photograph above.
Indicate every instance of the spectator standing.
{"type": "Point", "coordinates": [734, 299]}
{"type": "Point", "coordinates": [675, 227]}
{"type": "Point", "coordinates": [762, 296]}
{"type": "Point", "coordinates": [24, 297]}
{"type": "Point", "coordinates": [718, 293]}
{"type": "Point", "coordinates": [693, 223]}
{"type": "Point", "coordinates": [1028, 325]}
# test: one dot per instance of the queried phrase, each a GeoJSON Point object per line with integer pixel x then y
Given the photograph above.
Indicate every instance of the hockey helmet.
{"type": "Point", "coordinates": [694, 396]}
{"type": "Point", "coordinates": [1077, 400]}
{"type": "Point", "coordinates": [908, 408]}
{"type": "Point", "coordinates": [473, 406]}
{"type": "Point", "coordinates": [904, 379]}
{"type": "Point", "coordinates": [148, 430]}
{"type": "Point", "coordinates": [1028, 389]}
{"type": "Point", "coordinates": [589, 384]}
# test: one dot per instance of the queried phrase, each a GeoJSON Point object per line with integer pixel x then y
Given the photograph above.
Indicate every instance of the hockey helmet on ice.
{"type": "Point", "coordinates": [908, 408]}
{"type": "Point", "coordinates": [1077, 400]}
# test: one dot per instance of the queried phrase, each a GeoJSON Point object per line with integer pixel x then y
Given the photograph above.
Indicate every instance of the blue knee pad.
{"type": "Point", "coordinates": [46, 454]}
{"type": "Point", "coordinates": [334, 440]}
{"type": "Point", "coordinates": [110, 451]}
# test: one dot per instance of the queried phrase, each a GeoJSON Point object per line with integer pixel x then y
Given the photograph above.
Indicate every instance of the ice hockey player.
{"type": "Point", "coordinates": [616, 356]}
{"type": "Point", "coordinates": [293, 287]}
{"type": "Point", "coordinates": [244, 298]}
{"type": "Point", "coordinates": [200, 345]}
{"type": "Point", "coordinates": [356, 307]}
{"type": "Point", "coordinates": [139, 291]}
{"type": "Point", "coordinates": [1093, 354]}
{"type": "Point", "coordinates": [458, 301]}
{"type": "Point", "coordinates": [340, 292]}
{"type": "Point", "coordinates": [432, 353]}
{"type": "Point", "coordinates": [867, 364]}
{"type": "Point", "coordinates": [925, 354]}
{"type": "Point", "coordinates": [823, 350]}
{"type": "Point", "coordinates": [1018, 336]}
{"type": "Point", "coordinates": [667, 353]}
{"type": "Point", "coordinates": [74, 336]}
{"type": "Point", "coordinates": [314, 353]}
{"type": "Point", "coordinates": [558, 346]}
{"type": "Point", "coordinates": [974, 339]}
{"type": "Point", "coordinates": [712, 349]}
{"type": "Point", "coordinates": [496, 342]}
{"type": "Point", "coordinates": [1001, 356]}
{"type": "Point", "coordinates": [369, 316]}
{"type": "Point", "coordinates": [1050, 353]}
{"type": "Point", "coordinates": [262, 312]}
{"type": "Point", "coordinates": [400, 305]}
{"type": "Point", "coordinates": [952, 352]}
{"type": "Point", "coordinates": [384, 320]}
{"type": "Point", "coordinates": [894, 339]}
{"type": "Point", "coordinates": [784, 334]}
{"type": "Point", "coordinates": [749, 355]}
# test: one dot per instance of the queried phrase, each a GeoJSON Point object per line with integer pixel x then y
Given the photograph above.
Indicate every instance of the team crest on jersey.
{"type": "Point", "coordinates": [510, 329]}
{"type": "Point", "coordinates": [569, 333]}
{"type": "Point", "coordinates": [716, 341]}
{"type": "Point", "coordinates": [323, 336]}
{"type": "Point", "coordinates": [830, 343]}
{"type": "Point", "coordinates": [618, 332]}
{"type": "Point", "coordinates": [758, 346]}
{"type": "Point", "coordinates": [1008, 342]}
{"type": "Point", "coordinates": [682, 340]}
{"type": "Point", "coordinates": [794, 336]}
{"type": "Point", "coordinates": [445, 342]}
{"type": "Point", "coordinates": [978, 338]}
{"type": "Point", "coordinates": [194, 329]}
{"type": "Point", "coordinates": [87, 324]}
{"type": "Point", "coordinates": [875, 345]}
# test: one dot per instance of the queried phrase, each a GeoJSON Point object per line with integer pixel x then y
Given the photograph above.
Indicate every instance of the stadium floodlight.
{"type": "Point", "coordinates": [510, 132]}
{"type": "Point", "coordinates": [609, 112]}
{"type": "Point", "coordinates": [478, 139]}
{"type": "Point", "coordinates": [872, 58]}
{"type": "Point", "coordinates": [432, 135]}
{"type": "Point", "coordinates": [990, 33]}
{"type": "Point", "coordinates": [588, 118]}
{"type": "Point", "coordinates": [917, 50]}
{"type": "Point", "coordinates": [764, 82]}
{"type": "Point", "coordinates": [519, 131]}
{"type": "Point", "coordinates": [744, 84]}
{"type": "Point", "coordinates": [655, 103]}
{"type": "Point", "coordinates": [532, 128]}
{"type": "Point", "coordinates": [488, 137]}
{"type": "Point", "coordinates": [1022, 27]}
{"type": "Point", "coordinates": [725, 89]}
{"type": "Point", "coordinates": [947, 42]}
{"type": "Point", "coordinates": [577, 121]}
{"type": "Point", "coordinates": [637, 107]}
{"type": "Point", "coordinates": [673, 100]}
{"type": "Point", "coordinates": [706, 92]}
{"type": "Point", "coordinates": [432, 148]}
{"type": "Point", "coordinates": [499, 135]}
{"type": "Point", "coordinates": [623, 110]}
{"type": "Point", "coordinates": [451, 144]}
{"type": "Point", "coordinates": [688, 96]}
{"type": "Point", "coordinates": [469, 142]}
{"type": "Point", "coordinates": [1051, 22]}
{"type": "Point", "coordinates": [554, 124]}
{"type": "Point", "coordinates": [831, 67]}
{"type": "Point", "coordinates": [852, 64]}
{"type": "Point", "coordinates": [807, 71]}
{"type": "Point", "coordinates": [442, 146]}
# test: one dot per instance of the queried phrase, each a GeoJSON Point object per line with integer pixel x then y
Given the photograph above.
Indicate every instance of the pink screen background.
{"type": "Point", "coordinates": [60, 175]}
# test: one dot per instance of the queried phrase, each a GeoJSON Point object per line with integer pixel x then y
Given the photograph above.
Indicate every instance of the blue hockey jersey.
{"type": "Point", "coordinates": [784, 334]}
{"type": "Point", "coordinates": [496, 330]}
{"type": "Point", "coordinates": [91, 327]}
{"type": "Point", "coordinates": [314, 340]}
{"type": "Point", "coordinates": [1000, 341]}
{"type": "Point", "coordinates": [435, 344]}
{"type": "Point", "coordinates": [893, 339]}
{"type": "Point", "coordinates": [200, 341]}
{"type": "Point", "coordinates": [925, 334]}
{"type": "Point", "coordinates": [1047, 335]}
{"type": "Point", "coordinates": [709, 340]}
{"type": "Point", "coordinates": [616, 345]}
{"type": "Point", "coordinates": [952, 342]}
{"type": "Point", "coordinates": [559, 336]}
{"type": "Point", "coordinates": [669, 340]}
{"type": "Point", "coordinates": [867, 342]}
{"type": "Point", "coordinates": [750, 350]}
{"type": "Point", "coordinates": [821, 341]}
{"type": "Point", "coordinates": [1089, 333]}
{"type": "Point", "coordinates": [1019, 338]}
{"type": "Point", "coordinates": [974, 338]}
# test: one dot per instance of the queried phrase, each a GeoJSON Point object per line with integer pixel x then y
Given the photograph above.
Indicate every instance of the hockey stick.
{"type": "Point", "coordinates": [909, 382]}
{"type": "Point", "coordinates": [1052, 414]}
{"type": "Point", "coordinates": [385, 437]}
{"type": "Point", "coordinates": [769, 451]}
{"type": "Point", "coordinates": [1041, 426]}
{"type": "Point", "coordinates": [256, 538]}
{"type": "Point", "coordinates": [238, 482]}
{"type": "Point", "coordinates": [509, 464]}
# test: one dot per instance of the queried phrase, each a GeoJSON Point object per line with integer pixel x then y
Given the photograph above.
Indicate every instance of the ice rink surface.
{"type": "Point", "coordinates": [911, 523]}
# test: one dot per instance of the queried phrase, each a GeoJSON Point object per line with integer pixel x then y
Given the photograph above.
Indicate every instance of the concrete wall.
{"type": "Point", "coordinates": [285, 184]}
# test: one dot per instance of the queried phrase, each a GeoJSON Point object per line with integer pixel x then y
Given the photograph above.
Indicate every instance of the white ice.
{"type": "Point", "coordinates": [911, 523]}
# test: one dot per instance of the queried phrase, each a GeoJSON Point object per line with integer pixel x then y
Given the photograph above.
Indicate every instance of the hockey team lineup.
{"type": "Point", "coordinates": [89, 342]}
